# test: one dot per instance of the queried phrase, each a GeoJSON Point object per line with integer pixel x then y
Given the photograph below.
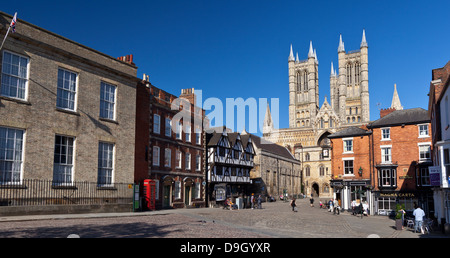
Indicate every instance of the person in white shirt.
{"type": "Point", "coordinates": [418, 214]}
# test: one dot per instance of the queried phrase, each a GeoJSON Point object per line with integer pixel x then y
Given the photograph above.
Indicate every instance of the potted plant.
{"type": "Point", "coordinates": [399, 213]}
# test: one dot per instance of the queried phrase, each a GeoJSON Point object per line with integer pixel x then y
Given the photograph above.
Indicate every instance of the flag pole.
{"type": "Point", "coordinates": [9, 28]}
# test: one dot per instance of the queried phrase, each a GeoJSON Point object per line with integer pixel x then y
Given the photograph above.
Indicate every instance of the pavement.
{"type": "Point", "coordinates": [275, 220]}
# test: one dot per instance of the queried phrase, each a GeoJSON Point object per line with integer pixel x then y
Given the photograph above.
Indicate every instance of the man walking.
{"type": "Point", "coordinates": [418, 214]}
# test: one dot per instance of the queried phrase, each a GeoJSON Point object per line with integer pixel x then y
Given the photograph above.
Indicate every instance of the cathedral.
{"type": "Point", "coordinates": [309, 123]}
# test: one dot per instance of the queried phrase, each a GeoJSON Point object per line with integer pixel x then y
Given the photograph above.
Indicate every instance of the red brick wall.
{"type": "Point", "coordinates": [360, 154]}
{"type": "Point", "coordinates": [405, 152]}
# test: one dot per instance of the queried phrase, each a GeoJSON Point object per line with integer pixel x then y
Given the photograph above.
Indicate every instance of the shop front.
{"type": "Point", "coordinates": [346, 191]}
{"type": "Point", "coordinates": [386, 201]}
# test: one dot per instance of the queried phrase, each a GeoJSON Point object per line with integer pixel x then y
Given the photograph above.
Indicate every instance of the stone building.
{"type": "Point", "coordinates": [309, 124]}
{"type": "Point", "coordinates": [276, 171]}
{"type": "Point", "coordinates": [67, 112]}
{"type": "Point", "coordinates": [170, 146]}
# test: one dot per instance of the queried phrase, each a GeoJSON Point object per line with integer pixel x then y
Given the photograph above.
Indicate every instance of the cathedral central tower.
{"type": "Point", "coordinates": [349, 88]}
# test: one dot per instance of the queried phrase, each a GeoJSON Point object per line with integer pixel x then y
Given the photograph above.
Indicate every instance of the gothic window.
{"type": "Point", "coordinates": [307, 157]}
{"type": "Point", "coordinates": [305, 78]}
{"type": "Point", "coordinates": [299, 87]}
{"type": "Point", "coordinates": [357, 72]}
{"type": "Point", "coordinates": [322, 171]}
{"type": "Point", "coordinates": [298, 114]}
{"type": "Point", "coordinates": [349, 73]}
{"type": "Point", "coordinates": [307, 171]}
{"type": "Point", "coordinates": [331, 122]}
{"type": "Point", "coordinates": [356, 110]}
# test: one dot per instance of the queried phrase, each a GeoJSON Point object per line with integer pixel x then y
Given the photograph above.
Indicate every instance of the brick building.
{"type": "Point", "coordinates": [351, 166]}
{"type": "Point", "coordinates": [439, 110]}
{"type": "Point", "coordinates": [67, 114]}
{"type": "Point", "coordinates": [169, 146]}
{"type": "Point", "coordinates": [401, 155]}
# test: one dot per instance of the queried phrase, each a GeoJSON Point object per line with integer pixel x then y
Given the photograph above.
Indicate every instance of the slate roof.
{"type": "Point", "coordinates": [272, 147]}
{"type": "Point", "coordinates": [400, 117]}
{"type": "Point", "coordinates": [349, 132]}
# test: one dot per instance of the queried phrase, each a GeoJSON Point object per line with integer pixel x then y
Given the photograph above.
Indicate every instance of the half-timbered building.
{"type": "Point", "coordinates": [229, 161]}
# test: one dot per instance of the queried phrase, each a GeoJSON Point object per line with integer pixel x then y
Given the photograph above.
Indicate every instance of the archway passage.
{"type": "Point", "coordinates": [315, 190]}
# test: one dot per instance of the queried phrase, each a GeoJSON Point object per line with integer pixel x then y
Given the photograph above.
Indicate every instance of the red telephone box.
{"type": "Point", "coordinates": [149, 194]}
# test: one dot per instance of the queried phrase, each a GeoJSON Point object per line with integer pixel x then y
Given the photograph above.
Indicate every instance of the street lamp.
{"type": "Point", "coordinates": [360, 171]}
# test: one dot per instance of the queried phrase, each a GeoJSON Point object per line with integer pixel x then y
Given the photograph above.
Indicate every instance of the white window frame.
{"type": "Point", "coordinates": [156, 123]}
{"type": "Point", "coordinates": [156, 156]}
{"type": "Point", "coordinates": [20, 77]}
{"type": "Point", "coordinates": [178, 158]}
{"type": "Point", "coordinates": [385, 133]}
{"type": "Point", "coordinates": [198, 162]}
{"type": "Point", "coordinates": [177, 192]}
{"type": "Point", "coordinates": [67, 166]}
{"type": "Point", "coordinates": [108, 102]}
{"type": "Point", "coordinates": [427, 130]}
{"type": "Point", "coordinates": [187, 164]}
{"type": "Point", "coordinates": [345, 145]}
{"type": "Point", "coordinates": [168, 127]}
{"type": "Point", "coordinates": [188, 132]}
{"type": "Point", "coordinates": [385, 155]}
{"type": "Point", "coordinates": [388, 175]}
{"type": "Point", "coordinates": [352, 159]}
{"type": "Point", "coordinates": [167, 157]}
{"type": "Point", "coordinates": [197, 190]}
{"type": "Point", "coordinates": [198, 136]}
{"type": "Point", "coordinates": [15, 156]}
{"type": "Point", "coordinates": [421, 145]}
{"type": "Point", "coordinates": [178, 131]}
{"type": "Point", "coordinates": [60, 90]}
{"type": "Point", "coordinates": [106, 165]}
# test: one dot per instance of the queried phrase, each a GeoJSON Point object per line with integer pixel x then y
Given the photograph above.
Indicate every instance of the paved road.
{"type": "Point", "coordinates": [274, 220]}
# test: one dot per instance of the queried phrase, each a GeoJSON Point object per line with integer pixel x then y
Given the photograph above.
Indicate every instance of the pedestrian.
{"type": "Point", "coordinates": [418, 214]}
{"type": "Point", "coordinates": [259, 200]}
{"type": "Point", "coordinates": [311, 201]}
{"type": "Point", "coordinates": [320, 204]}
{"type": "Point", "coordinates": [402, 211]}
{"type": "Point", "coordinates": [366, 208]}
{"type": "Point", "coordinates": [252, 201]}
{"type": "Point", "coordinates": [353, 204]}
{"type": "Point", "coordinates": [330, 204]}
{"type": "Point", "coordinates": [293, 205]}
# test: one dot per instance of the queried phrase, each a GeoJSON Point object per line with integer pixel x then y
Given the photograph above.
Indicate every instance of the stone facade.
{"type": "Point", "coordinates": [310, 125]}
{"type": "Point", "coordinates": [276, 171]}
{"type": "Point", "coordinates": [36, 113]}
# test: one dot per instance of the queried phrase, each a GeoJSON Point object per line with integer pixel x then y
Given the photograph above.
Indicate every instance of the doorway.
{"type": "Point", "coordinates": [187, 195]}
{"type": "Point", "coordinates": [166, 196]}
{"type": "Point", "coordinates": [315, 190]}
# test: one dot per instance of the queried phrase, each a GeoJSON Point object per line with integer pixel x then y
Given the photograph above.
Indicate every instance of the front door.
{"type": "Point", "coordinates": [166, 196]}
{"type": "Point", "coordinates": [187, 195]}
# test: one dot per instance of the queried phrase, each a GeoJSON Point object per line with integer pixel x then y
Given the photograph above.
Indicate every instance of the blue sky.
{"type": "Point", "coordinates": [231, 49]}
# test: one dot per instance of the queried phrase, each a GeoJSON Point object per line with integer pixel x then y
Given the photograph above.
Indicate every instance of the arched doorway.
{"type": "Point", "coordinates": [315, 190]}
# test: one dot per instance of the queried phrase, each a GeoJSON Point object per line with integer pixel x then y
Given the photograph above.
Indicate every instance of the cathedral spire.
{"type": "Point", "coordinates": [268, 124]}
{"type": "Point", "coordinates": [315, 56]}
{"type": "Point", "coordinates": [296, 57]}
{"type": "Point", "coordinates": [311, 51]}
{"type": "Point", "coordinates": [363, 41]}
{"type": "Point", "coordinates": [332, 70]}
{"type": "Point", "coordinates": [291, 55]}
{"type": "Point", "coordinates": [341, 47]}
{"type": "Point", "coordinates": [396, 100]}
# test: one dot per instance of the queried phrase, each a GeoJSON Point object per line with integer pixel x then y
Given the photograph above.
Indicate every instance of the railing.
{"type": "Point", "coordinates": [47, 192]}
